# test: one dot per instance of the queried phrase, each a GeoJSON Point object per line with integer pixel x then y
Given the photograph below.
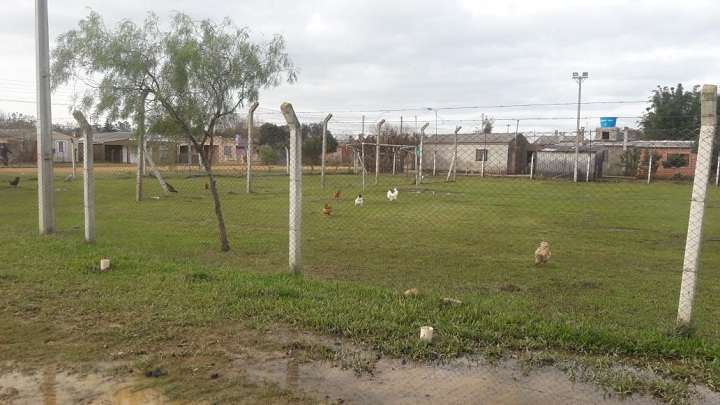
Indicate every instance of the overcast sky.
{"type": "Point", "coordinates": [456, 61]}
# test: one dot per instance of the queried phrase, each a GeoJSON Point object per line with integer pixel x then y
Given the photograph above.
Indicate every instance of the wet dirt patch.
{"type": "Point", "coordinates": [50, 387]}
{"type": "Point", "coordinates": [349, 374]}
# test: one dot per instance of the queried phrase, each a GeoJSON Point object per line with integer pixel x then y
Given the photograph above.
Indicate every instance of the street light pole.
{"type": "Point", "coordinates": [579, 79]}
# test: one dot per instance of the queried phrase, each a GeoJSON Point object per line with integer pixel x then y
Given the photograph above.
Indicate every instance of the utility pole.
{"type": "Point", "coordinates": [579, 79]}
{"type": "Point", "coordinates": [46, 189]}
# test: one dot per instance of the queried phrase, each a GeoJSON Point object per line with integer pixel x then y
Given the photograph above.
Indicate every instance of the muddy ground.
{"type": "Point", "coordinates": [355, 376]}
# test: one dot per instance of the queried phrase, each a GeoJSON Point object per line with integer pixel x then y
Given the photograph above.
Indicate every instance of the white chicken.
{"type": "Point", "coordinates": [359, 200]}
{"type": "Point", "coordinates": [392, 195]}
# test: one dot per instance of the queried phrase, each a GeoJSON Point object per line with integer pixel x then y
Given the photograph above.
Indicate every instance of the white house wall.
{"type": "Point", "coordinates": [497, 157]}
{"type": "Point", "coordinates": [63, 151]}
{"type": "Point", "coordinates": [563, 163]}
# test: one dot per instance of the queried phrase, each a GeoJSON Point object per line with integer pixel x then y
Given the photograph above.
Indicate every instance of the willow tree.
{"type": "Point", "coordinates": [194, 73]}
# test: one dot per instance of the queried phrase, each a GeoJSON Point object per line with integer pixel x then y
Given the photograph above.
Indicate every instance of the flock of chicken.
{"type": "Point", "coordinates": [542, 253]}
{"type": "Point", "coordinates": [392, 195]}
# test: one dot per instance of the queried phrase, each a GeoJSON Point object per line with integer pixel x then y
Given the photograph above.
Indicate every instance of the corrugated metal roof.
{"type": "Point", "coordinates": [24, 134]}
{"type": "Point", "coordinates": [656, 144]}
{"type": "Point", "coordinates": [106, 137]}
{"type": "Point", "coordinates": [473, 138]}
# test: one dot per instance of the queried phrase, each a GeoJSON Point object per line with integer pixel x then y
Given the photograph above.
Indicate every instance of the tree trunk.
{"type": "Point", "coordinates": [224, 244]}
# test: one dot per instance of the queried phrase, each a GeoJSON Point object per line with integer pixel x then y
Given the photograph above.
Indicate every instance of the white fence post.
{"type": "Point", "coordinates": [693, 242]}
{"type": "Point", "coordinates": [587, 173]}
{"type": "Point", "coordinates": [88, 184]}
{"type": "Point", "coordinates": [324, 149]}
{"type": "Point", "coordinates": [452, 168]}
{"type": "Point", "coordinates": [249, 151]}
{"type": "Point", "coordinates": [295, 167]}
{"type": "Point", "coordinates": [532, 165]}
{"type": "Point", "coordinates": [377, 152]}
{"type": "Point", "coordinates": [419, 166]}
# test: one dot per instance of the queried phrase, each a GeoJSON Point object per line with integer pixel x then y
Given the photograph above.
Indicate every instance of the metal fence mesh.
{"type": "Point", "coordinates": [468, 223]}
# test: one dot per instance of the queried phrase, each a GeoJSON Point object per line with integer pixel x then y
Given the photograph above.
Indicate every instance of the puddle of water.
{"type": "Point", "coordinates": [52, 388]}
{"type": "Point", "coordinates": [461, 383]}
{"type": "Point", "coordinates": [390, 381]}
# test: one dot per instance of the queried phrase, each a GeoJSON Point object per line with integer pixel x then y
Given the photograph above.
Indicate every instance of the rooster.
{"type": "Point", "coordinates": [170, 188]}
{"type": "Point", "coordinates": [392, 195]}
{"type": "Point", "coordinates": [327, 209]}
{"type": "Point", "coordinates": [359, 200]}
{"type": "Point", "coordinates": [542, 253]}
{"type": "Point", "coordinates": [14, 182]}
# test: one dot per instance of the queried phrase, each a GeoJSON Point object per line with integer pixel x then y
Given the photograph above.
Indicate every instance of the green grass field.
{"type": "Point", "coordinates": [611, 287]}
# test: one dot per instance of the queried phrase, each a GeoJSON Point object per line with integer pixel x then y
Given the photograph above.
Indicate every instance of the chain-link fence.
{"type": "Point", "coordinates": [456, 214]}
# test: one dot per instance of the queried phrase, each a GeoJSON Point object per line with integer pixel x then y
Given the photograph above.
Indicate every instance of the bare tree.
{"type": "Point", "coordinates": [195, 74]}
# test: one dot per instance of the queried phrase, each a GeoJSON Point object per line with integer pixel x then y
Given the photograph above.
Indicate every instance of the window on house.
{"type": "Point", "coordinates": [481, 155]}
{"type": "Point", "coordinates": [605, 135]}
{"type": "Point", "coordinates": [163, 151]}
{"type": "Point", "coordinates": [227, 151]}
{"type": "Point", "coordinates": [61, 147]}
{"type": "Point", "coordinates": [606, 155]}
{"type": "Point", "coordinates": [677, 160]}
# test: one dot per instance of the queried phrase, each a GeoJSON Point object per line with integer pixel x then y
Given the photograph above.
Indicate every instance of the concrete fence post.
{"type": "Point", "coordinates": [88, 184]}
{"type": "Point", "coordinates": [249, 151]}
{"type": "Point", "coordinates": [295, 167]}
{"type": "Point", "coordinates": [377, 152]}
{"type": "Point", "coordinates": [324, 150]}
{"type": "Point", "coordinates": [362, 157]}
{"type": "Point", "coordinates": [419, 167]}
{"type": "Point", "coordinates": [708, 123]}
{"type": "Point", "coordinates": [452, 170]}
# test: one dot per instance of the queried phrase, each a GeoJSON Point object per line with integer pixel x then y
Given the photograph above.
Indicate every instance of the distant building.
{"type": "Point", "coordinates": [501, 154]}
{"type": "Point", "coordinates": [23, 143]}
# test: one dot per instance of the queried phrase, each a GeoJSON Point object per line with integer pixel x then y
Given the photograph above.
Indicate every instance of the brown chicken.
{"type": "Point", "coordinates": [327, 209]}
{"type": "Point", "coordinates": [542, 253]}
{"type": "Point", "coordinates": [337, 193]}
{"type": "Point", "coordinates": [207, 185]}
{"type": "Point", "coordinates": [170, 188]}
